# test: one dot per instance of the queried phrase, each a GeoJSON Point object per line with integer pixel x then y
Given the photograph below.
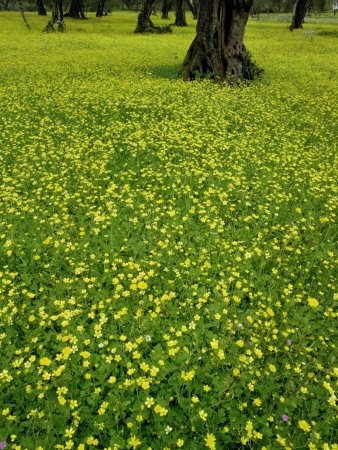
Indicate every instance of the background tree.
{"type": "Point", "coordinates": [57, 16]}
{"type": "Point", "coordinates": [193, 6]}
{"type": "Point", "coordinates": [76, 10]}
{"type": "Point", "coordinates": [300, 9]}
{"type": "Point", "coordinates": [100, 8]}
{"type": "Point", "coordinates": [144, 23]}
{"type": "Point", "coordinates": [181, 20]}
{"type": "Point", "coordinates": [20, 6]}
{"type": "Point", "coordinates": [40, 8]}
{"type": "Point", "coordinates": [218, 50]}
{"type": "Point", "coordinates": [4, 4]}
{"type": "Point", "coordinates": [166, 7]}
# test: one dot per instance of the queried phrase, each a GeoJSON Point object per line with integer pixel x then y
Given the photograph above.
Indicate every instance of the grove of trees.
{"type": "Point", "coordinates": [218, 50]}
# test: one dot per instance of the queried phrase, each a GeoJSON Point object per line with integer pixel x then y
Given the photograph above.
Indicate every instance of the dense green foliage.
{"type": "Point", "coordinates": [167, 248]}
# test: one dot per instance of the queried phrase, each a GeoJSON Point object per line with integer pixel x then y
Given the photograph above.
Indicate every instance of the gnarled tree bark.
{"type": "Point", "coordinates": [41, 8]}
{"type": "Point", "coordinates": [181, 20]}
{"type": "Point", "coordinates": [167, 5]}
{"type": "Point", "coordinates": [193, 6]}
{"type": "Point", "coordinates": [300, 9]}
{"type": "Point", "coordinates": [144, 23]}
{"type": "Point", "coordinates": [218, 50]}
{"type": "Point", "coordinates": [57, 17]}
{"type": "Point", "coordinates": [76, 9]}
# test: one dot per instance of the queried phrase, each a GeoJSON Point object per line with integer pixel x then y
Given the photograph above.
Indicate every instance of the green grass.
{"type": "Point", "coordinates": [167, 248]}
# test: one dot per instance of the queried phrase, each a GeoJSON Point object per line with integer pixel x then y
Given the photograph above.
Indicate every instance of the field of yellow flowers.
{"type": "Point", "coordinates": [167, 248]}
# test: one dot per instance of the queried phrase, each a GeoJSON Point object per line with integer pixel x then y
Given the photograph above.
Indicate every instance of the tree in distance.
{"type": "Point", "coordinates": [167, 5]}
{"type": "Point", "coordinates": [100, 8]}
{"type": "Point", "coordinates": [57, 17]}
{"type": "Point", "coordinates": [299, 12]}
{"type": "Point", "coordinates": [193, 6]}
{"type": "Point", "coordinates": [41, 8]}
{"type": "Point", "coordinates": [144, 22]}
{"type": "Point", "coordinates": [181, 20]}
{"type": "Point", "coordinates": [76, 10]}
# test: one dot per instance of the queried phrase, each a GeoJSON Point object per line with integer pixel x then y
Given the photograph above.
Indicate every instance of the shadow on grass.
{"type": "Point", "coordinates": [328, 33]}
{"type": "Point", "coordinates": [167, 71]}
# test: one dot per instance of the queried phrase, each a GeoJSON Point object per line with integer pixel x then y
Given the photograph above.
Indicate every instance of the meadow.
{"type": "Point", "coordinates": [167, 248]}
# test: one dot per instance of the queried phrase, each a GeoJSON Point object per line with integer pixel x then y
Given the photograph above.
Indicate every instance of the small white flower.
{"type": "Point", "coordinates": [113, 350]}
{"type": "Point", "coordinates": [101, 344]}
{"type": "Point", "coordinates": [148, 338]}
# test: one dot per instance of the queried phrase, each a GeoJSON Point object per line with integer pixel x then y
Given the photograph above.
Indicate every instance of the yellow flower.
{"type": "Point", "coordinates": [257, 402]}
{"type": "Point", "coordinates": [66, 352]}
{"type": "Point", "coordinates": [313, 302]}
{"type": "Point", "coordinates": [221, 354]}
{"type": "Point", "coordinates": [45, 361]}
{"type": "Point", "coordinates": [187, 376]}
{"type": "Point", "coordinates": [240, 343]}
{"type": "Point", "coordinates": [203, 415]}
{"type": "Point", "coordinates": [112, 380]}
{"type": "Point", "coordinates": [180, 443]}
{"type": "Point", "coordinates": [214, 343]}
{"type": "Point", "coordinates": [303, 425]}
{"type": "Point", "coordinates": [134, 442]}
{"type": "Point", "coordinates": [272, 368]}
{"type": "Point", "coordinates": [142, 285]}
{"type": "Point", "coordinates": [210, 441]}
{"type": "Point", "coordinates": [160, 410]}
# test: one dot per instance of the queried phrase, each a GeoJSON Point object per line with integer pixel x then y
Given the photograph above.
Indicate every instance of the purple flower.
{"type": "Point", "coordinates": [3, 444]}
{"type": "Point", "coordinates": [289, 342]}
{"type": "Point", "coordinates": [120, 187]}
{"type": "Point", "coordinates": [285, 417]}
{"type": "Point", "coordinates": [250, 343]}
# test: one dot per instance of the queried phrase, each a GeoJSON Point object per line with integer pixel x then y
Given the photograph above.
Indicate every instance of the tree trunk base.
{"type": "Point", "coordinates": [299, 13]}
{"type": "Point", "coordinates": [180, 24]}
{"type": "Point", "coordinates": [180, 20]}
{"type": "Point", "coordinates": [218, 51]}
{"type": "Point", "coordinates": [148, 27]}
{"type": "Point", "coordinates": [49, 28]}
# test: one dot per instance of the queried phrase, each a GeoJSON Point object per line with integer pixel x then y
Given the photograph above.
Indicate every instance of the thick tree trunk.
{"type": "Point", "coordinates": [76, 10]}
{"type": "Point", "coordinates": [180, 21]}
{"type": "Point", "coordinates": [144, 23]}
{"type": "Point", "coordinates": [41, 8]}
{"type": "Point", "coordinates": [300, 10]}
{"type": "Point", "coordinates": [193, 6]}
{"type": "Point", "coordinates": [100, 8]}
{"type": "Point", "coordinates": [218, 50]}
{"type": "Point", "coordinates": [57, 17]}
{"type": "Point", "coordinates": [167, 5]}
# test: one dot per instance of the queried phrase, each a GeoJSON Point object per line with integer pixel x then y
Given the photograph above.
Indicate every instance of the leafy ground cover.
{"type": "Point", "coordinates": [167, 248]}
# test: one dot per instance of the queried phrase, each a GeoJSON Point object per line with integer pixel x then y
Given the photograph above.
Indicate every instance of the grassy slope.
{"type": "Point", "coordinates": [133, 205]}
